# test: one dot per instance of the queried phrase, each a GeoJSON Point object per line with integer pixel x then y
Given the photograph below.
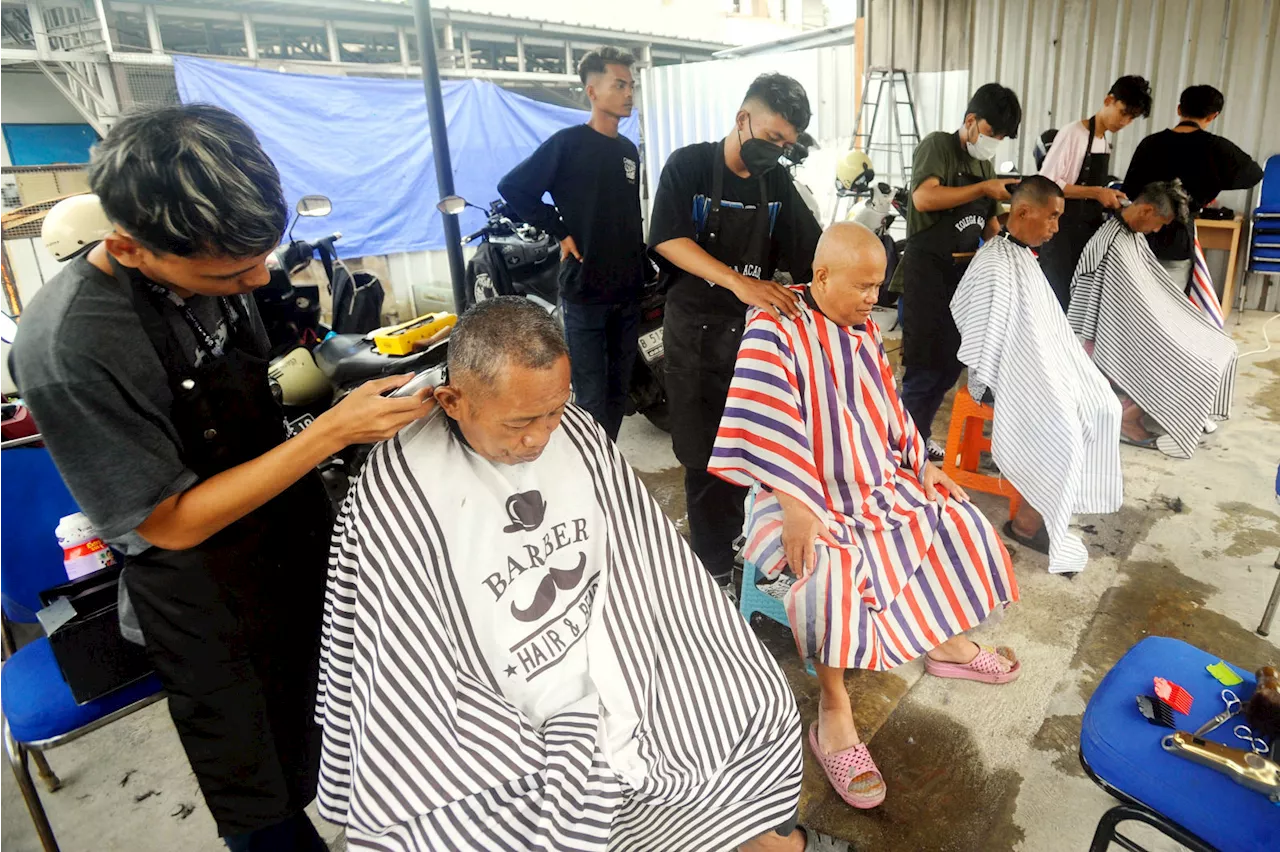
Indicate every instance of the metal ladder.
{"type": "Point", "coordinates": [904, 131]}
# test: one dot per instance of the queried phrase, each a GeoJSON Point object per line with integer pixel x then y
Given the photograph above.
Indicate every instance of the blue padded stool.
{"type": "Point", "coordinates": [751, 601]}
{"type": "Point", "coordinates": [1196, 806]}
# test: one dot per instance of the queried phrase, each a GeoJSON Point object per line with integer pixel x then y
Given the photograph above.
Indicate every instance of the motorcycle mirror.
{"type": "Point", "coordinates": [1008, 168]}
{"type": "Point", "coordinates": [452, 205]}
{"type": "Point", "coordinates": [8, 328]}
{"type": "Point", "coordinates": [314, 205]}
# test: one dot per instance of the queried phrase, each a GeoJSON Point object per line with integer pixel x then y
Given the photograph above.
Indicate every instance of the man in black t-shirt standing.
{"type": "Point", "coordinates": [1206, 164]}
{"type": "Point", "coordinates": [593, 176]}
{"type": "Point", "coordinates": [725, 218]}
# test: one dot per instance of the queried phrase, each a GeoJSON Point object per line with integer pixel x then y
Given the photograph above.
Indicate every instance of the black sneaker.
{"type": "Point", "coordinates": [937, 454]}
{"type": "Point", "coordinates": [729, 590]}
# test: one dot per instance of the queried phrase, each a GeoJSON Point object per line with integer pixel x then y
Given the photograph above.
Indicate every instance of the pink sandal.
{"type": "Point", "coordinates": [843, 766]}
{"type": "Point", "coordinates": [984, 668]}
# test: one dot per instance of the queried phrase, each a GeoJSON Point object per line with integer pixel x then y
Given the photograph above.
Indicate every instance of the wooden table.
{"type": "Point", "coordinates": [1223, 234]}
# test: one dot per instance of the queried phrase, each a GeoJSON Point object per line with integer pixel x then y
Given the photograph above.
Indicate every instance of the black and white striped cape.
{"type": "Point", "coordinates": [1056, 429]}
{"type": "Point", "coordinates": [1148, 338]}
{"type": "Point", "coordinates": [421, 750]}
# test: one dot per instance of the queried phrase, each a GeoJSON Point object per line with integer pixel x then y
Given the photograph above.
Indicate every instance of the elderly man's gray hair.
{"type": "Point", "coordinates": [1169, 198]}
{"type": "Point", "coordinates": [496, 334]}
{"type": "Point", "coordinates": [190, 180]}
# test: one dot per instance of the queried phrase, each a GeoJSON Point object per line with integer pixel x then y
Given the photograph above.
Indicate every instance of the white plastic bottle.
{"type": "Point", "coordinates": [83, 552]}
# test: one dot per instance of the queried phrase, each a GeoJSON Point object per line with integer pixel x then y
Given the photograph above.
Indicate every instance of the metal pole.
{"type": "Point", "coordinates": [440, 145]}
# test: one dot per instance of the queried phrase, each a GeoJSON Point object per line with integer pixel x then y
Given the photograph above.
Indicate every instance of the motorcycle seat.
{"type": "Point", "coordinates": [348, 359]}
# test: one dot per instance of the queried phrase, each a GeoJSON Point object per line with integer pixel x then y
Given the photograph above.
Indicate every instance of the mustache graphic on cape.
{"type": "Point", "coordinates": [545, 596]}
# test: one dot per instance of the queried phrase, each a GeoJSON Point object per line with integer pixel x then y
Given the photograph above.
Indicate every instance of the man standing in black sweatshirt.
{"type": "Point", "coordinates": [1206, 164]}
{"type": "Point", "coordinates": [593, 176]}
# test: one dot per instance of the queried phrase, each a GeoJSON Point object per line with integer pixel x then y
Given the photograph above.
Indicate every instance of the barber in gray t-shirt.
{"type": "Point", "coordinates": [143, 363]}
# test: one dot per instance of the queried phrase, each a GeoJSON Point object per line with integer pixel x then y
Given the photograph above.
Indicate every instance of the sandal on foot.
{"type": "Point", "coordinates": [984, 668]}
{"type": "Point", "coordinates": [1038, 542]}
{"type": "Point", "coordinates": [1147, 443]}
{"type": "Point", "coordinates": [815, 842]}
{"type": "Point", "coordinates": [843, 766]}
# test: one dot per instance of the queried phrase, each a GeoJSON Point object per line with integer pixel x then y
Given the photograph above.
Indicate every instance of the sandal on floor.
{"type": "Point", "coordinates": [1038, 542]}
{"type": "Point", "coordinates": [1147, 443]}
{"type": "Point", "coordinates": [984, 668]}
{"type": "Point", "coordinates": [815, 842]}
{"type": "Point", "coordinates": [843, 766]}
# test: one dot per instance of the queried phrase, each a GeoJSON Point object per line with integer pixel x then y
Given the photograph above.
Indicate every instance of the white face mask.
{"type": "Point", "coordinates": [984, 148]}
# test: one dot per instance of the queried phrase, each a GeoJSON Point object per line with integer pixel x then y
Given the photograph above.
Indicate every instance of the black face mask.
{"type": "Point", "coordinates": [760, 156]}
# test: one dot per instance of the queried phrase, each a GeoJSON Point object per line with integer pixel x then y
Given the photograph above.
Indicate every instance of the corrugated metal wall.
{"type": "Point", "coordinates": [697, 102]}
{"type": "Point", "coordinates": [1060, 56]}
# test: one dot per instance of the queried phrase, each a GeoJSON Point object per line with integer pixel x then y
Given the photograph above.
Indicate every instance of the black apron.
{"type": "Point", "coordinates": [1081, 219]}
{"type": "Point", "coordinates": [232, 626]}
{"type": "Point", "coordinates": [701, 346]}
{"type": "Point", "coordinates": [933, 264]}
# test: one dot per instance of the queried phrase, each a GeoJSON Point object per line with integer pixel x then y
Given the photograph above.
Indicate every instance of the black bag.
{"type": "Point", "coordinates": [95, 659]}
{"type": "Point", "coordinates": [357, 296]}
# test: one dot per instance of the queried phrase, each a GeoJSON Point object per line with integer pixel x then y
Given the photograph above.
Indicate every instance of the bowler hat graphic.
{"type": "Point", "coordinates": [526, 510]}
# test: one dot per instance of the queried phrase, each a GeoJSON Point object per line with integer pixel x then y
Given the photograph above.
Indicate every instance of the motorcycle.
{"type": "Point", "coordinates": [515, 258]}
{"type": "Point", "coordinates": [884, 205]}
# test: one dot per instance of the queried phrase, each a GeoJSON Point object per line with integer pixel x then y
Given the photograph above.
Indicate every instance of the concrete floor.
{"type": "Point", "coordinates": [969, 767]}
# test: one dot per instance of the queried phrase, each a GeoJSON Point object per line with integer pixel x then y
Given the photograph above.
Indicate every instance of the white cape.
{"type": "Point", "coordinates": [690, 739]}
{"type": "Point", "coordinates": [1056, 430]}
{"type": "Point", "coordinates": [1149, 339]}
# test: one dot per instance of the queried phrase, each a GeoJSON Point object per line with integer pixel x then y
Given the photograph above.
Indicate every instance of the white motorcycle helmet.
{"type": "Point", "coordinates": [74, 225]}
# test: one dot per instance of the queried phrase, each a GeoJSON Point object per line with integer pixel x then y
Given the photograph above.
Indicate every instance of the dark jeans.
{"type": "Point", "coordinates": [602, 350]}
{"type": "Point", "coordinates": [923, 389]}
{"type": "Point", "coordinates": [295, 834]}
{"type": "Point", "coordinates": [716, 512]}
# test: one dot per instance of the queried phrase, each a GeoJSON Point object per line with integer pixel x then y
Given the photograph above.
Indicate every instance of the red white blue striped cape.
{"type": "Point", "coordinates": [813, 412]}
{"type": "Point", "coordinates": [1202, 294]}
{"type": "Point", "coordinates": [692, 742]}
{"type": "Point", "coordinates": [1171, 359]}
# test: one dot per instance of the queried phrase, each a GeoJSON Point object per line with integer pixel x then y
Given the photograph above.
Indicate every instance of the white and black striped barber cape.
{"type": "Point", "coordinates": [1157, 347]}
{"type": "Point", "coordinates": [1056, 430]}
{"type": "Point", "coordinates": [691, 742]}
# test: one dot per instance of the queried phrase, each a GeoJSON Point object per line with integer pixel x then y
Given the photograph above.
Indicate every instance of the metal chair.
{"type": "Point", "coordinates": [39, 711]}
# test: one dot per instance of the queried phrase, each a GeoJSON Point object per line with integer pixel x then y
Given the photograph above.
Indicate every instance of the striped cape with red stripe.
{"type": "Point", "coordinates": [813, 412]}
{"type": "Point", "coordinates": [1201, 292]}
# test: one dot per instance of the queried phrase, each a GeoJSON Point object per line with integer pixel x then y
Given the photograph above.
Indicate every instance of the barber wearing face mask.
{"type": "Point", "coordinates": [725, 218]}
{"type": "Point", "coordinates": [953, 207]}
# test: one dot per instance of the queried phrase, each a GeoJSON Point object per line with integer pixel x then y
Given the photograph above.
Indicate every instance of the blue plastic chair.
{"type": "Point", "coordinates": [752, 601]}
{"type": "Point", "coordinates": [39, 712]}
{"type": "Point", "coordinates": [1192, 804]}
{"type": "Point", "coordinates": [1264, 243]}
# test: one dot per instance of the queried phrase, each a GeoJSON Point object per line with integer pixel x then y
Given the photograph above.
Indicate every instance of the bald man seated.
{"type": "Point", "coordinates": [1056, 428]}
{"type": "Point", "coordinates": [891, 561]}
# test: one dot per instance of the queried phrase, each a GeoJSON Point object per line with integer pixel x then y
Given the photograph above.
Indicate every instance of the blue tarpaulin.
{"type": "Point", "coordinates": [364, 142]}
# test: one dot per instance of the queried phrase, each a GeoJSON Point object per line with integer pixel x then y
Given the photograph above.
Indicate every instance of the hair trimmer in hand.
{"type": "Point", "coordinates": [1244, 767]}
{"type": "Point", "coordinates": [432, 378]}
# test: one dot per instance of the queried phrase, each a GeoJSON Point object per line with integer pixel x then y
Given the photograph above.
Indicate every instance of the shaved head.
{"type": "Point", "coordinates": [848, 269]}
{"type": "Point", "coordinates": [1035, 205]}
{"type": "Point", "coordinates": [1036, 190]}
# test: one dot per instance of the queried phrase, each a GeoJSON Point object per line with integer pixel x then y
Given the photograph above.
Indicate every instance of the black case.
{"type": "Point", "coordinates": [95, 659]}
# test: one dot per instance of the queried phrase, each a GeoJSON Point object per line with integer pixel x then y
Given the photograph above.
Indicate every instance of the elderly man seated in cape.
{"type": "Point", "coordinates": [1166, 357]}
{"type": "Point", "coordinates": [521, 653]}
{"type": "Point", "coordinates": [1056, 429]}
{"type": "Point", "coordinates": [892, 561]}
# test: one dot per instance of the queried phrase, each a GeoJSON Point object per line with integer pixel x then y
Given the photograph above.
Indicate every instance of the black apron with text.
{"type": "Point", "coordinates": [232, 625]}
{"type": "Point", "coordinates": [701, 346]}
{"type": "Point", "coordinates": [933, 264]}
{"type": "Point", "coordinates": [1081, 219]}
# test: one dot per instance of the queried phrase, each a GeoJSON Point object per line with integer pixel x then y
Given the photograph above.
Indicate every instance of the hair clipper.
{"type": "Point", "coordinates": [1244, 767]}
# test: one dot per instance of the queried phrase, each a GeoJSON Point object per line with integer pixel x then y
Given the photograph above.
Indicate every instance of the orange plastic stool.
{"type": "Point", "coordinates": [965, 445]}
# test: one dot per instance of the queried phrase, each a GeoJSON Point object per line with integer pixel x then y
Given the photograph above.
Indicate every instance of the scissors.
{"type": "Point", "coordinates": [1257, 744]}
{"type": "Point", "coordinates": [1234, 706]}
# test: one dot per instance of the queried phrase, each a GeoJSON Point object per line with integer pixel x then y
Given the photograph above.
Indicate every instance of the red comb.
{"type": "Point", "coordinates": [1173, 695]}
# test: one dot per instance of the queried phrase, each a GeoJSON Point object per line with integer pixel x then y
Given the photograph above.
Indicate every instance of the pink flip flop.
{"type": "Point", "coordinates": [984, 668]}
{"type": "Point", "coordinates": [843, 766]}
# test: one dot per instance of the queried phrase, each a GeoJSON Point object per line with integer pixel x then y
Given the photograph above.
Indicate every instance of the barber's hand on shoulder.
{"type": "Point", "coordinates": [568, 249]}
{"type": "Point", "coordinates": [365, 416]}
{"type": "Point", "coordinates": [801, 529]}
{"type": "Point", "coordinates": [997, 188]}
{"type": "Point", "coordinates": [1112, 199]}
{"type": "Point", "coordinates": [767, 295]}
